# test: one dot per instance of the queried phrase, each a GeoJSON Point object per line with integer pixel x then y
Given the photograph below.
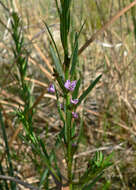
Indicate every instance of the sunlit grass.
{"type": "Point", "coordinates": [112, 53]}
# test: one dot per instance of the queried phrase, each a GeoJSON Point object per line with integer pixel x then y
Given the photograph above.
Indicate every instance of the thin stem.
{"type": "Point", "coordinates": [69, 151]}
{"type": "Point", "coordinates": [105, 26]}
{"type": "Point", "coordinates": [27, 185]}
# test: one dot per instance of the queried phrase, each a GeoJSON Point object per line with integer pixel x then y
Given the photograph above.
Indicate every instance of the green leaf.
{"type": "Point", "coordinates": [36, 144]}
{"type": "Point", "coordinates": [88, 90]}
{"type": "Point", "coordinates": [43, 149]}
{"type": "Point", "coordinates": [46, 174]}
{"type": "Point", "coordinates": [4, 184]}
{"type": "Point", "coordinates": [106, 186]}
{"type": "Point", "coordinates": [98, 159]}
{"type": "Point", "coordinates": [9, 162]}
{"type": "Point", "coordinates": [68, 125]}
{"type": "Point", "coordinates": [56, 166]}
{"type": "Point", "coordinates": [74, 56]}
{"type": "Point", "coordinates": [65, 24]}
{"type": "Point", "coordinates": [44, 177]}
{"type": "Point", "coordinates": [53, 41]}
{"type": "Point", "coordinates": [96, 167]}
{"type": "Point", "coordinates": [81, 132]}
{"type": "Point", "coordinates": [60, 138]}
{"type": "Point", "coordinates": [107, 161]}
{"type": "Point", "coordinates": [73, 129]}
{"type": "Point", "coordinates": [76, 90]}
{"type": "Point", "coordinates": [50, 168]}
{"type": "Point", "coordinates": [56, 62]}
{"type": "Point", "coordinates": [59, 12]}
{"type": "Point", "coordinates": [92, 183]}
{"type": "Point", "coordinates": [59, 106]}
{"type": "Point", "coordinates": [60, 80]}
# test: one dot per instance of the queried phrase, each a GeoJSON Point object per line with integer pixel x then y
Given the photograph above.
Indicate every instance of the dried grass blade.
{"type": "Point", "coordinates": [111, 21]}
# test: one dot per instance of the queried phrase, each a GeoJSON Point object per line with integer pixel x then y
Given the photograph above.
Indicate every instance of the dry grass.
{"type": "Point", "coordinates": [110, 111]}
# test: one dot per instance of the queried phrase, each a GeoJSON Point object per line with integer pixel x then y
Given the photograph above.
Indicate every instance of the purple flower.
{"type": "Point", "coordinates": [74, 101]}
{"type": "Point", "coordinates": [75, 115]}
{"type": "Point", "coordinates": [51, 88]}
{"type": "Point", "coordinates": [74, 145]}
{"type": "Point", "coordinates": [70, 85]}
{"type": "Point", "coordinates": [61, 106]}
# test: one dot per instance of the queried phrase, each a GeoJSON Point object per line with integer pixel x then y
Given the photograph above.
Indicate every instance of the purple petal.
{"type": "Point", "coordinates": [74, 101]}
{"type": "Point", "coordinates": [73, 85]}
{"type": "Point", "coordinates": [61, 106]}
{"type": "Point", "coordinates": [75, 115]}
{"type": "Point", "coordinates": [51, 88]}
{"type": "Point", "coordinates": [67, 84]}
{"type": "Point", "coordinates": [70, 85]}
{"type": "Point", "coordinates": [74, 145]}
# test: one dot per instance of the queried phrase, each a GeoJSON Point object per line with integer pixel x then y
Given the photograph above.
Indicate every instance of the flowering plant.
{"type": "Point", "coordinates": [66, 86]}
{"type": "Point", "coordinates": [51, 88]}
{"type": "Point", "coordinates": [65, 72]}
{"type": "Point", "coordinates": [70, 85]}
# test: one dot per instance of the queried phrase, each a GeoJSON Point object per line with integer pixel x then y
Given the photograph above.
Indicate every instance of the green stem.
{"type": "Point", "coordinates": [69, 151]}
{"type": "Point", "coordinates": [67, 64]}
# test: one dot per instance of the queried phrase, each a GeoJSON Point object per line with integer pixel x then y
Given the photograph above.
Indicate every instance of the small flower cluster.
{"type": "Point", "coordinates": [51, 88]}
{"type": "Point", "coordinates": [74, 101]}
{"type": "Point", "coordinates": [75, 115]}
{"type": "Point", "coordinates": [69, 86]}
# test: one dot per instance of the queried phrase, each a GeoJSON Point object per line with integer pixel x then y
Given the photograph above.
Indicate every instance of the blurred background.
{"type": "Point", "coordinates": [110, 109]}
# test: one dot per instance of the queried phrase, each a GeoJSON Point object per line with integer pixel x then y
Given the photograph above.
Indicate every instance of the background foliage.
{"type": "Point", "coordinates": [109, 122]}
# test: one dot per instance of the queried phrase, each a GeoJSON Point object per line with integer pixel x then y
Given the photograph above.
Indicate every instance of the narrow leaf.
{"type": "Point", "coordinates": [9, 165]}
{"type": "Point", "coordinates": [44, 177]}
{"type": "Point", "coordinates": [74, 56]}
{"type": "Point", "coordinates": [56, 166]}
{"type": "Point", "coordinates": [53, 41]}
{"type": "Point", "coordinates": [59, 12]}
{"type": "Point", "coordinates": [60, 138]}
{"type": "Point", "coordinates": [46, 174]}
{"type": "Point", "coordinates": [88, 90]}
{"type": "Point", "coordinates": [4, 184]}
{"type": "Point", "coordinates": [56, 62]}
{"type": "Point", "coordinates": [68, 125]}
{"type": "Point", "coordinates": [59, 107]}
{"type": "Point", "coordinates": [76, 90]}
{"type": "Point", "coordinates": [91, 184]}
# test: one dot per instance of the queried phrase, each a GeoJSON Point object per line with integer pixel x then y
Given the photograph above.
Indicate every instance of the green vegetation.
{"type": "Point", "coordinates": [67, 95]}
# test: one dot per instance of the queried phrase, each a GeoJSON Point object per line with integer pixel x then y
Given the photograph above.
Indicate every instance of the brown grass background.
{"type": "Point", "coordinates": [110, 109]}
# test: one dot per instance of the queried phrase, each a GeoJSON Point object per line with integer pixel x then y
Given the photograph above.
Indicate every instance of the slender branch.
{"type": "Point", "coordinates": [2, 4]}
{"type": "Point", "coordinates": [116, 147]}
{"type": "Point", "coordinates": [106, 25]}
{"type": "Point", "coordinates": [4, 25]}
{"type": "Point", "coordinates": [27, 185]}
